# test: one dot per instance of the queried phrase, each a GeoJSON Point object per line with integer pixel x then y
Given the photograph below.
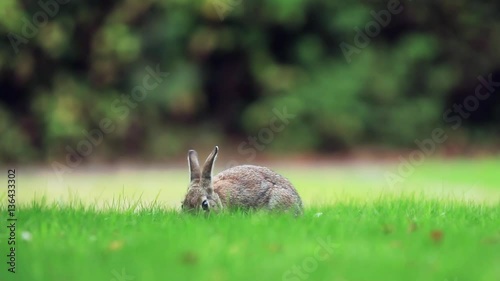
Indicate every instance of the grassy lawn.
{"type": "Point", "coordinates": [440, 223]}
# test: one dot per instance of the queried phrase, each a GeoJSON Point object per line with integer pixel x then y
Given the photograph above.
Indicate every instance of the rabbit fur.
{"type": "Point", "coordinates": [240, 187]}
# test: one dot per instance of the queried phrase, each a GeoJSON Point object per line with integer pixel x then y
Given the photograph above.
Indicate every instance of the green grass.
{"type": "Point", "coordinates": [390, 239]}
{"type": "Point", "coordinates": [97, 226]}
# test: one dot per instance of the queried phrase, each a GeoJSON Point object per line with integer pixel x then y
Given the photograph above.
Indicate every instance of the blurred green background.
{"type": "Point", "coordinates": [65, 66]}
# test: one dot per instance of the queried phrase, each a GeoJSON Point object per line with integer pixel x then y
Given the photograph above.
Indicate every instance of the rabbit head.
{"type": "Point", "coordinates": [200, 194]}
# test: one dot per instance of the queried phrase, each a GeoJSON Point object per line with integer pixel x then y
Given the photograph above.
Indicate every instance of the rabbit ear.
{"type": "Point", "coordinates": [194, 166]}
{"type": "Point", "coordinates": [206, 176]}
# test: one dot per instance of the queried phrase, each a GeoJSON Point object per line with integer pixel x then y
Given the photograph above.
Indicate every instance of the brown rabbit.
{"type": "Point", "coordinates": [241, 187]}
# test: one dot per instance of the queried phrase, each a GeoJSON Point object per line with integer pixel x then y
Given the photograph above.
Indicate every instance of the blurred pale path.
{"type": "Point", "coordinates": [321, 184]}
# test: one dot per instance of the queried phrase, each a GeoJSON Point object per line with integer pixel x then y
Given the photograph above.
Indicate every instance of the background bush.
{"type": "Point", "coordinates": [227, 74]}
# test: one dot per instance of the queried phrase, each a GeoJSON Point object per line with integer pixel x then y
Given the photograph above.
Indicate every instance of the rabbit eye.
{"type": "Point", "coordinates": [204, 205]}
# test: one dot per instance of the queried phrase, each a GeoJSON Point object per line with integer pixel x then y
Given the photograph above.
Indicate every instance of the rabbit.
{"type": "Point", "coordinates": [240, 187]}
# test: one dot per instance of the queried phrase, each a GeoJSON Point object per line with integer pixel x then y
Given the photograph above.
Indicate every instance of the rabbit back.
{"type": "Point", "coordinates": [255, 187]}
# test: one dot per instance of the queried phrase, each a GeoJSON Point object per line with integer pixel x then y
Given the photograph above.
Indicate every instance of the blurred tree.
{"type": "Point", "coordinates": [66, 66]}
